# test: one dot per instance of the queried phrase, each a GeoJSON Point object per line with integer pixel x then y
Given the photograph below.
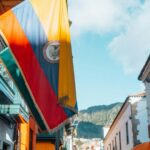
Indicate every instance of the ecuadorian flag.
{"type": "Point", "coordinates": [39, 51]}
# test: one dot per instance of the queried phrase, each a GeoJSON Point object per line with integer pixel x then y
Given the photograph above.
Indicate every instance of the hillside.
{"type": "Point", "coordinates": [92, 120]}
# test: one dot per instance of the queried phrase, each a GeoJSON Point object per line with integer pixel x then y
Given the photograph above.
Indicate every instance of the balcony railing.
{"type": "Point", "coordinates": [14, 110]}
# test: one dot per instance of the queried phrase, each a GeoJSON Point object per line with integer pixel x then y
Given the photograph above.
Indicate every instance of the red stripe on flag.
{"type": "Point", "coordinates": [43, 93]}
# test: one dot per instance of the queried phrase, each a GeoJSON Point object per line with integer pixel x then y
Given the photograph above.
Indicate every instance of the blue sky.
{"type": "Point", "coordinates": [110, 42]}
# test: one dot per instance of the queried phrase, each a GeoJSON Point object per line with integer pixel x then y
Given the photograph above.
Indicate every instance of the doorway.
{"type": "Point", "coordinates": [6, 146]}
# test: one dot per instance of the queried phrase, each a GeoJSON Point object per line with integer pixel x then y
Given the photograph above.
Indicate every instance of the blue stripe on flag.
{"type": "Point", "coordinates": [35, 33]}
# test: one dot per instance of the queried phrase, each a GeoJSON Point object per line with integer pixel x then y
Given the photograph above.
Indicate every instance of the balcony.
{"type": "Point", "coordinates": [15, 110]}
{"type": "Point", "coordinates": [6, 93]}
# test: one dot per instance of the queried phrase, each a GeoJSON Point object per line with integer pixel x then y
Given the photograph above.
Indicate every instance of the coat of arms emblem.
{"type": "Point", "coordinates": [51, 52]}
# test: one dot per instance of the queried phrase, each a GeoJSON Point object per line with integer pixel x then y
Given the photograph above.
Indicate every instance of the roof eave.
{"type": "Point", "coordinates": [145, 70]}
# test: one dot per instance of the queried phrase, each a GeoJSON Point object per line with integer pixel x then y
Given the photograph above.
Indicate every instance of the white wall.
{"type": "Point", "coordinates": [105, 130]}
{"type": "Point", "coordinates": [147, 85]}
{"type": "Point", "coordinates": [69, 142]}
{"type": "Point", "coordinates": [120, 126]}
{"type": "Point", "coordinates": [142, 127]}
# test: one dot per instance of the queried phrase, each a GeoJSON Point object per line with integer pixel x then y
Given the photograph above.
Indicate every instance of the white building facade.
{"type": "Point", "coordinates": [127, 129]}
{"type": "Point", "coordinates": [116, 137]}
{"type": "Point", "coordinates": [141, 115]}
{"type": "Point", "coordinates": [145, 77]}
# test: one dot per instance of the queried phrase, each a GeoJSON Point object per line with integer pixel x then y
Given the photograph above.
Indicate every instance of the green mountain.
{"type": "Point", "coordinates": [89, 130]}
{"type": "Point", "coordinates": [92, 120]}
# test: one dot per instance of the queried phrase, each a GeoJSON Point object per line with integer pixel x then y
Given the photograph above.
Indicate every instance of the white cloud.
{"type": "Point", "coordinates": [132, 47]}
{"type": "Point", "coordinates": [129, 18]}
{"type": "Point", "coordinates": [101, 16]}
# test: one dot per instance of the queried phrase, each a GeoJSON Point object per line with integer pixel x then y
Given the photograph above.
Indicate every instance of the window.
{"type": "Point", "coordinates": [110, 146]}
{"type": "Point", "coordinates": [6, 146]}
{"type": "Point", "coordinates": [115, 143]}
{"type": "Point", "coordinates": [113, 147]}
{"type": "Point", "coordinates": [31, 139]}
{"type": "Point", "coordinates": [127, 133]}
{"type": "Point", "coordinates": [149, 130]}
{"type": "Point", "coordinates": [120, 140]}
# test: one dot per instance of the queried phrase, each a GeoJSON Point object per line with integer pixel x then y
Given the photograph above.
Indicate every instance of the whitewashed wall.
{"type": "Point", "coordinates": [105, 130]}
{"type": "Point", "coordinates": [142, 127]}
{"type": "Point", "coordinates": [69, 141]}
{"type": "Point", "coordinates": [147, 85]}
{"type": "Point", "coordinates": [120, 126]}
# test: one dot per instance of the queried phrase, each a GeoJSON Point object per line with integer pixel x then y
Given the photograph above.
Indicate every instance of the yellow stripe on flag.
{"type": "Point", "coordinates": [56, 25]}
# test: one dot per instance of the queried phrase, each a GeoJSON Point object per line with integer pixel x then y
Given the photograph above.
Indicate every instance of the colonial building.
{"type": "Point", "coordinates": [145, 77]}
{"type": "Point", "coordinates": [18, 129]}
{"type": "Point", "coordinates": [7, 124]}
{"type": "Point", "coordinates": [127, 129]}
